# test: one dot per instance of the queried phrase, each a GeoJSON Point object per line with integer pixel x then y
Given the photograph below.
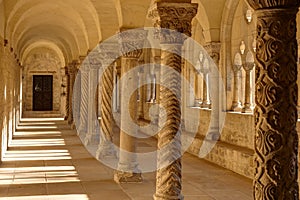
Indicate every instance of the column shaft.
{"type": "Point", "coordinates": [276, 142]}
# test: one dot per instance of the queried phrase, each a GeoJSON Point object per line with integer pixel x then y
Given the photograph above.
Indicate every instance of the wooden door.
{"type": "Point", "coordinates": [42, 92]}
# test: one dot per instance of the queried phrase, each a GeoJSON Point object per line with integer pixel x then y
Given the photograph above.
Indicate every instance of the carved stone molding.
{"type": "Point", "coordinates": [173, 16]}
{"type": "Point", "coordinates": [108, 53]}
{"type": "Point", "coordinates": [132, 43]}
{"type": "Point", "coordinates": [276, 142]}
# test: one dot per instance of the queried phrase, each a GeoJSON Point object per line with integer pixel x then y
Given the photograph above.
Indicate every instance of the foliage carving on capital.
{"type": "Point", "coordinates": [265, 4]}
{"type": "Point", "coordinates": [173, 16]}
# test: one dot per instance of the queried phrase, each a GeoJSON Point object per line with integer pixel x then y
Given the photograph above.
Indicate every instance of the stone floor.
{"type": "Point", "coordinates": [46, 160]}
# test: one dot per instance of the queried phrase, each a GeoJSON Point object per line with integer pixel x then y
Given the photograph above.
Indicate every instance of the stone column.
{"type": "Point", "coordinates": [128, 166]}
{"type": "Point", "coordinates": [77, 93]}
{"type": "Point", "coordinates": [92, 137]}
{"type": "Point", "coordinates": [248, 67]}
{"type": "Point", "coordinates": [67, 92]}
{"type": "Point", "coordinates": [71, 72]}
{"type": "Point", "coordinates": [205, 102]}
{"type": "Point", "coordinates": [142, 98]}
{"type": "Point", "coordinates": [198, 100]}
{"type": "Point", "coordinates": [168, 177]}
{"type": "Point", "coordinates": [215, 89]}
{"type": "Point", "coordinates": [236, 104]}
{"type": "Point", "coordinates": [84, 80]}
{"type": "Point", "coordinates": [276, 139]}
{"type": "Point", "coordinates": [108, 54]}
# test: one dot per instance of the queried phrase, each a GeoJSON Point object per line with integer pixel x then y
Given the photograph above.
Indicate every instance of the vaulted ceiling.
{"type": "Point", "coordinates": [72, 27]}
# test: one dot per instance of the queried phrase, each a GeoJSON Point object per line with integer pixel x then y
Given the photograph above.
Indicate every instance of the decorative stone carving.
{"type": "Point", "coordinates": [177, 17]}
{"type": "Point", "coordinates": [173, 16]}
{"type": "Point", "coordinates": [132, 43]}
{"type": "Point", "coordinates": [276, 142]}
{"type": "Point", "coordinates": [108, 53]}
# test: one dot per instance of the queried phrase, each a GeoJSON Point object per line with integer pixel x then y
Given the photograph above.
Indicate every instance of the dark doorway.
{"type": "Point", "coordinates": [42, 93]}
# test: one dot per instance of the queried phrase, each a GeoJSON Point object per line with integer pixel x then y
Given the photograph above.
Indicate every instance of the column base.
{"type": "Point", "coordinates": [197, 103]}
{"type": "Point", "coordinates": [127, 177]}
{"type": "Point", "coordinates": [106, 151]}
{"type": "Point", "coordinates": [164, 197]}
{"type": "Point", "coordinates": [91, 139]}
{"type": "Point", "coordinates": [206, 105]}
{"type": "Point", "coordinates": [213, 136]}
{"type": "Point", "coordinates": [247, 109]}
{"type": "Point", "coordinates": [236, 107]}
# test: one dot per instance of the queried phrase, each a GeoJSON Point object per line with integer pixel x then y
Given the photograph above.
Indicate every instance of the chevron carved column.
{"type": "Point", "coordinates": [131, 47]}
{"type": "Point", "coordinates": [276, 139]}
{"type": "Point", "coordinates": [108, 54]}
{"type": "Point", "coordinates": [178, 17]}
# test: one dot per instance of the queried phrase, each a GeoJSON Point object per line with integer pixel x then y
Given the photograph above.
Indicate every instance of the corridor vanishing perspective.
{"type": "Point", "coordinates": [149, 99]}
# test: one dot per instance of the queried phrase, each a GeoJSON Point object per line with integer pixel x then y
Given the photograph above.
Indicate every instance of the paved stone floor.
{"type": "Point", "coordinates": [46, 160]}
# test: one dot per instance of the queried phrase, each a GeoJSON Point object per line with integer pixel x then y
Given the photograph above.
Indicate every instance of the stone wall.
{"type": "Point", "coordinates": [43, 62]}
{"type": "Point", "coordinates": [9, 95]}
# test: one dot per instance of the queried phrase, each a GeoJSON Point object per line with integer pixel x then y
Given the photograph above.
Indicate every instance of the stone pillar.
{"type": "Point", "coordinates": [198, 100]}
{"type": "Point", "coordinates": [92, 136]}
{"type": "Point", "coordinates": [77, 93]}
{"type": "Point", "coordinates": [213, 50]}
{"type": "Point", "coordinates": [108, 54]}
{"type": "Point", "coordinates": [248, 67]}
{"type": "Point", "coordinates": [128, 166]}
{"type": "Point", "coordinates": [276, 139]}
{"type": "Point", "coordinates": [71, 73]}
{"type": "Point", "coordinates": [205, 99]}
{"type": "Point", "coordinates": [236, 103]}
{"type": "Point", "coordinates": [67, 92]}
{"type": "Point", "coordinates": [142, 97]}
{"type": "Point", "coordinates": [168, 177]}
{"type": "Point", "coordinates": [84, 80]}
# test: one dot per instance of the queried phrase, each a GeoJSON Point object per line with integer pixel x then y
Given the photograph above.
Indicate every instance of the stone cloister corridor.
{"type": "Point", "coordinates": [149, 99]}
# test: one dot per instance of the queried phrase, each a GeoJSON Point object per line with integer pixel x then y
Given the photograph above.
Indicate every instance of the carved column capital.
{"type": "Point", "coordinates": [173, 16]}
{"type": "Point", "coordinates": [213, 49]}
{"type": "Point", "coordinates": [132, 43]}
{"type": "Point", "coordinates": [236, 68]}
{"type": "Point", "coordinates": [267, 4]}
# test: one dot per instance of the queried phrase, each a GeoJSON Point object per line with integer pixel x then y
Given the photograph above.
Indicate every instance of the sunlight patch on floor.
{"type": "Point", "coordinates": [38, 175]}
{"type": "Point", "coordinates": [35, 155]}
{"type": "Point", "coordinates": [42, 197]}
{"type": "Point", "coordinates": [36, 142]}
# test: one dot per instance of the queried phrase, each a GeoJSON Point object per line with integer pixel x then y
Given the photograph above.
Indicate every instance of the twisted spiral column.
{"type": "Point", "coordinates": [168, 182]}
{"type": "Point", "coordinates": [106, 136]}
{"type": "Point", "coordinates": [178, 17]}
{"type": "Point", "coordinates": [84, 101]}
{"type": "Point", "coordinates": [276, 138]}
